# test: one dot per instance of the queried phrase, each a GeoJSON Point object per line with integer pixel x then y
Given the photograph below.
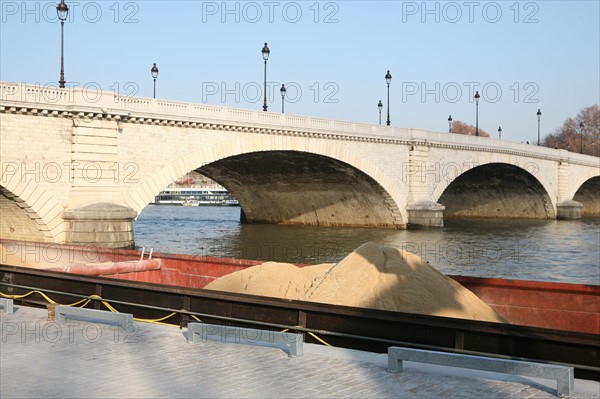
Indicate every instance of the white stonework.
{"type": "Point", "coordinates": [65, 149]}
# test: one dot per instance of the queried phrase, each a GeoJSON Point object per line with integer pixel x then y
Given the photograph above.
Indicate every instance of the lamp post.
{"type": "Point", "coordinates": [388, 80]}
{"type": "Point", "coordinates": [62, 10]}
{"type": "Point", "coordinates": [265, 54]}
{"type": "Point", "coordinates": [154, 72]}
{"type": "Point", "coordinates": [380, 106]}
{"type": "Point", "coordinates": [449, 123]}
{"type": "Point", "coordinates": [499, 132]}
{"type": "Point", "coordinates": [282, 91]}
{"type": "Point", "coordinates": [539, 115]}
{"type": "Point", "coordinates": [477, 113]}
{"type": "Point", "coordinates": [581, 137]}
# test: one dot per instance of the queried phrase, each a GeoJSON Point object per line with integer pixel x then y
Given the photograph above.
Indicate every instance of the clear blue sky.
{"type": "Point", "coordinates": [333, 56]}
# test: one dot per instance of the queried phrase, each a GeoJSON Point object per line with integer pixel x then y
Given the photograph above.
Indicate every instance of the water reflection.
{"type": "Point", "coordinates": [547, 250]}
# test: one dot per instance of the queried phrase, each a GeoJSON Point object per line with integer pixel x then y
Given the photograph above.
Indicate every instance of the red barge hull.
{"type": "Point", "coordinates": [551, 305]}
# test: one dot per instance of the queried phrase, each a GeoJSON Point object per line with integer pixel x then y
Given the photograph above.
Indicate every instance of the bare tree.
{"type": "Point", "coordinates": [459, 127]}
{"type": "Point", "coordinates": [579, 134]}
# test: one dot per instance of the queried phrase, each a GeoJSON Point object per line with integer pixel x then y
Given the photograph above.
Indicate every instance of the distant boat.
{"type": "Point", "coordinates": [191, 202]}
{"type": "Point", "coordinates": [195, 196]}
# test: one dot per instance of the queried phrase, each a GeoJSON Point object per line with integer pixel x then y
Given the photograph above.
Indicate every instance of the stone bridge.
{"type": "Point", "coordinates": [79, 165]}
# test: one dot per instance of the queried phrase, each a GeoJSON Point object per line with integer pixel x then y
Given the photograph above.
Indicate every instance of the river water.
{"type": "Point", "coordinates": [543, 250]}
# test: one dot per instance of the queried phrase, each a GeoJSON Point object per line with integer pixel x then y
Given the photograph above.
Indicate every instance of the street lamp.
{"type": "Point", "coordinates": [499, 132]}
{"type": "Point", "coordinates": [62, 10]}
{"type": "Point", "coordinates": [282, 91]}
{"type": "Point", "coordinates": [265, 54]}
{"type": "Point", "coordinates": [477, 113]}
{"type": "Point", "coordinates": [581, 137]}
{"type": "Point", "coordinates": [388, 80]}
{"type": "Point", "coordinates": [539, 115]}
{"type": "Point", "coordinates": [380, 106]}
{"type": "Point", "coordinates": [154, 72]}
{"type": "Point", "coordinates": [449, 123]}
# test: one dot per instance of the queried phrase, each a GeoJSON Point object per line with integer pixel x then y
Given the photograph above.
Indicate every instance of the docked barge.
{"type": "Point", "coordinates": [549, 321]}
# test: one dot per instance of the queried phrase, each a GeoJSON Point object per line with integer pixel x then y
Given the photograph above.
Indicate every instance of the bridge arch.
{"type": "Point", "coordinates": [22, 221]}
{"type": "Point", "coordinates": [588, 193]}
{"type": "Point", "coordinates": [497, 189]}
{"type": "Point", "coordinates": [291, 180]}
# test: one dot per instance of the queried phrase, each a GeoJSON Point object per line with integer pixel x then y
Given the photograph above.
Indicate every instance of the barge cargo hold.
{"type": "Point", "coordinates": [552, 322]}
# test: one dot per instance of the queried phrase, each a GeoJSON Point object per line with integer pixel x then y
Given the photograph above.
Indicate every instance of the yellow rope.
{"type": "Point", "coordinates": [85, 304]}
{"type": "Point", "coordinates": [108, 305]}
{"type": "Point", "coordinates": [312, 335]}
{"type": "Point", "coordinates": [112, 309]}
{"type": "Point", "coordinates": [155, 320]}
{"type": "Point", "coordinates": [46, 297]}
{"type": "Point", "coordinates": [85, 301]}
{"type": "Point", "coordinates": [194, 316]}
{"type": "Point", "coordinates": [149, 321]}
{"type": "Point", "coordinates": [319, 339]}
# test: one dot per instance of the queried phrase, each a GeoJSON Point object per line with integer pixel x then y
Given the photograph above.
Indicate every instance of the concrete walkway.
{"type": "Point", "coordinates": [78, 359]}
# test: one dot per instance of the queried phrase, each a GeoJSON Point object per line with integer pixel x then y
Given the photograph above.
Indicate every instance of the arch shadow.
{"type": "Point", "coordinates": [497, 190]}
{"type": "Point", "coordinates": [589, 195]}
{"type": "Point", "coordinates": [19, 221]}
{"type": "Point", "coordinates": [291, 187]}
{"type": "Point", "coordinates": [290, 181]}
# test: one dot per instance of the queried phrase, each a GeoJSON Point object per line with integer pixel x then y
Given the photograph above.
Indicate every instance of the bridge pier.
{"type": "Point", "coordinates": [569, 209]}
{"type": "Point", "coordinates": [425, 214]}
{"type": "Point", "coordinates": [102, 225]}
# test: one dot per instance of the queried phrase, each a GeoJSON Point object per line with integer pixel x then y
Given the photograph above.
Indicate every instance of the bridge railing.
{"type": "Point", "coordinates": [92, 100]}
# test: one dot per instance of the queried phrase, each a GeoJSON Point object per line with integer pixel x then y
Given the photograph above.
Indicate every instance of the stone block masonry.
{"type": "Point", "coordinates": [61, 154]}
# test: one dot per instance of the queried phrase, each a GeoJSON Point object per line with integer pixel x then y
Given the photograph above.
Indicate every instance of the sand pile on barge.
{"type": "Point", "coordinates": [370, 277]}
